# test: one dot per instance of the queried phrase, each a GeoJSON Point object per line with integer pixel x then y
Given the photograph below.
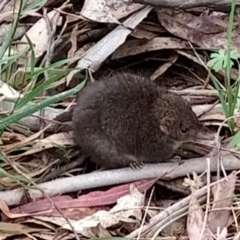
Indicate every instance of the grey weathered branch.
{"type": "Point", "coordinates": [213, 4]}
{"type": "Point", "coordinates": [166, 171]}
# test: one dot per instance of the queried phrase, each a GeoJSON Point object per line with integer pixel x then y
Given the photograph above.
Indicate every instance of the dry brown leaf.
{"type": "Point", "coordinates": [204, 31]}
{"type": "Point", "coordinates": [195, 221]}
{"type": "Point", "coordinates": [73, 40]}
{"type": "Point", "coordinates": [191, 56]}
{"type": "Point", "coordinates": [121, 9]}
{"type": "Point", "coordinates": [58, 139]}
{"type": "Point", "coordinates": [143, 34]}
{"type": "Point", "coordinates": [108, 11]}
{"type": "Point", "coordinates": [223, 194]}
{"type": "Point", "coordinates": [9, 137]}
{"type": "Point", "coordinates": [206, 24]}
{"type": "Point", "coordinates": [24, 142]}
{"type": "Point", "coordinates": [175, 228]}
{"type": "Point", "coordinates": [163, 68]}
{"type": "Point", "coordinates": [16, 228]}
{"type": "Point", "coordinates": [134, 47]}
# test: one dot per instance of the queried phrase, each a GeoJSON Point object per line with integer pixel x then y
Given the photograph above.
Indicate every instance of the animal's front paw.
{"type": "Point", "coordinates": [136, 165]}
{"type": "Point", "coordinates": [177, 159]}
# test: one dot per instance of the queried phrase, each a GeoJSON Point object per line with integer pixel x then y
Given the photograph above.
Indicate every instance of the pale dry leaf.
{"type": "Point", "coordinates": [108, 11]}
{"type": "Point", "coordinates": [121, 9]}
{"type": "Point", "coordinates": [127, 207]}
{"type": "Point", "coordinates": [9, 10]}
{"type": "Point", "coordinates": [92, 226]}
{"type": "Point", "coordinates": [223, 194]}
{"type": "Point", "coordinates": [8, 91]}
{"type": "Point", "coordinates": [2, 97]}
{"type": "Point", "coordinates": [39, 36]}
{"type": "Point", "coordinates": [98, 11]}
{"type": "Point", "coordinates": [222, 235]}
{"type": "Point", "coordinates": [195, 221]}
{"type": "Point", "coordinates": [59, 139]}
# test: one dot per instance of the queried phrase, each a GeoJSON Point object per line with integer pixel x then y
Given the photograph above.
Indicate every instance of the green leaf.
{"type": "Point", "coordinates": [235, 141]}
{"type": "Point", "coordinates": [234, 54]}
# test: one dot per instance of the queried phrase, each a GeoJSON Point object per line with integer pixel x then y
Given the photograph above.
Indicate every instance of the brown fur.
{"type": "Point", "coordinates": [128, 120]}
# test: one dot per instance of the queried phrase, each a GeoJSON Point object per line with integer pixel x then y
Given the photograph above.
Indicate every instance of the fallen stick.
{"type": "Point", "coordinates": [213, 4]}
{"type": "Point", "coordinates": [119, 176]}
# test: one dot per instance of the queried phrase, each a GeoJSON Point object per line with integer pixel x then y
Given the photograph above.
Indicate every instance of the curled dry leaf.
{"type": "Point", "coordinates": [96, 225]}
{"type": "Point", "coordinates": [223, 194]}
{"type": "Point", "coordinates": [129, 205]}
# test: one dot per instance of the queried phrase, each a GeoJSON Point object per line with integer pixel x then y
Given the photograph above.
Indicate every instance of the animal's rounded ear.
{"type": "Point", "coordinates": [166, 124]}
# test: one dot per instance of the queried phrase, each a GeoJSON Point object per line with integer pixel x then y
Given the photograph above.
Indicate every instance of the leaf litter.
{"type": "Point", "coordinates": [105, 36]}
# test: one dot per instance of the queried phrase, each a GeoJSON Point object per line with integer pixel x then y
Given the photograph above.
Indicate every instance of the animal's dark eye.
{"type": "Point", "coordinates": [184, 130]}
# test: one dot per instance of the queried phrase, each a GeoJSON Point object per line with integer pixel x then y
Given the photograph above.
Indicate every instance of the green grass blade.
{"type": "Point", "coordinates": [32, 108]}
{"type": "Point", "coordinates": [36, 91]}
{"type": "Point", "coordinates": [12, 31]}
{"type": "Point", "coordinates": [35, 4]}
